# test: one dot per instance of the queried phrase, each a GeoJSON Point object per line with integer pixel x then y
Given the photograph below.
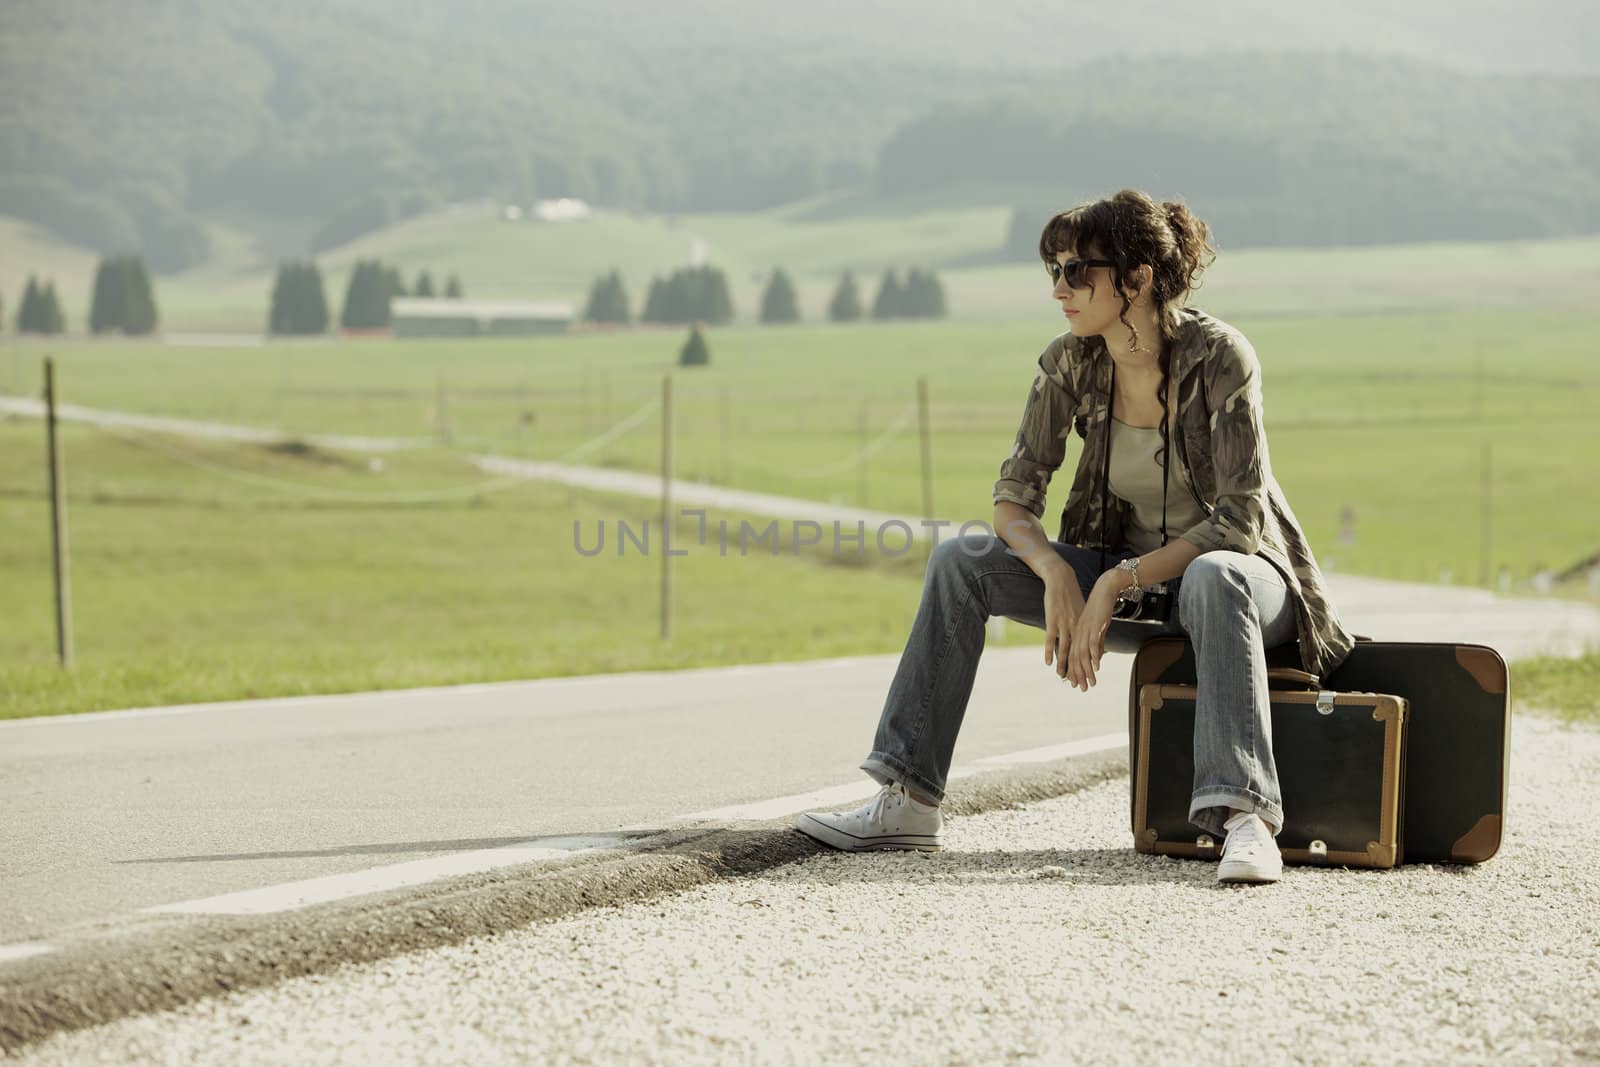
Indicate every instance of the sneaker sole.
{"type": "Point", "coordinates": [1229, 871]}
{"type": "Point", "coordinates": [830, 835]}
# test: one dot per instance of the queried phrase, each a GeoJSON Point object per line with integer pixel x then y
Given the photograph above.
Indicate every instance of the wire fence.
{"type": "Point", "coordinates": [760, 439]}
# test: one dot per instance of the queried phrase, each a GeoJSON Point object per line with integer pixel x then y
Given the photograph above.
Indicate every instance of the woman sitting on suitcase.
{"type": "Point", "coordinates": [1173, 490]}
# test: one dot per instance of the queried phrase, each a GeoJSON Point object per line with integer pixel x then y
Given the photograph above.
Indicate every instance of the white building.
{"type": "Point", "coordinates": [423, 317]}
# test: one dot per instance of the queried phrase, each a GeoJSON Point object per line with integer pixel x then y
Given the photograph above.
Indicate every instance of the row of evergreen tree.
{"type": "Point", "coordinates": [424, 288]}
{"type": "Point", "coordinates": [122, 299]}
{"type": "Point", "coordinates": [366, 299]}
{"type": "Point", "coordinates": [692, 294]}
{"type": "Point", "coordinates": [920, 296]}
{"type": "Point", "coordinates": [300, 305]}
{"type": "Point", "coordinates": [701, 295]}
{"type": "Point", "coordinates": [608, 300]}
{"type": "Point", "coordinates": [40, 310]}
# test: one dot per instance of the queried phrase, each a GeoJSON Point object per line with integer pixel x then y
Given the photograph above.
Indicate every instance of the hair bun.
{"type": "Point", "coordinates": [1192, 236]}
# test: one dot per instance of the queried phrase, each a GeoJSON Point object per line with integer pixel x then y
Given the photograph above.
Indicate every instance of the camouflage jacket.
{"type": "Point", "coordinates": [1221, 443]}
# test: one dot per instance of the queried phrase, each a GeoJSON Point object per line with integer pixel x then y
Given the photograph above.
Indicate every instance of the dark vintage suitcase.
{"type": "Point", "coordinates": [1341, 766]}
{"type": "Point", "coordinates": [1458, 731]}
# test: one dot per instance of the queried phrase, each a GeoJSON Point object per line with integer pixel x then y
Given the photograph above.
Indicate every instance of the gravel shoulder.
{"type": "Point", "coordinates": [1039, 935]}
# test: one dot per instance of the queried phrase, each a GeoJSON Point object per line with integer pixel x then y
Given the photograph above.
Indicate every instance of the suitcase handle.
{"type": "Point", "coordinates": [1294, 675]}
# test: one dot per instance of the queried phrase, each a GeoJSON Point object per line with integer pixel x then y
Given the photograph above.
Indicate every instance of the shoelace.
{"type": "Point", "coordinates": [1249, 835]}
{"type": "Point", "coordinates": [881, 802]}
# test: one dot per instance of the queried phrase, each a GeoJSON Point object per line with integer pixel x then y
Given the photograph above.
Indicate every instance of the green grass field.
{"type": "Point", "coordinates": [1389, 415]}
{"type": "Point", "coordinates": [192, 586]}
{"type": "Point", "coordinates": [1569, 689]}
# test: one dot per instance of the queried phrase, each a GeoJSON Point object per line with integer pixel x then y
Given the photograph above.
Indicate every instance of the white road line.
{"type": "Point", "coordinates": [291, 895]}
{"type": "Point", "coordinates": [23, 950]}
{"type": "Point", "coordinates": [842, 794]}
{"type": "Point", "coordinates": [1103, 743]}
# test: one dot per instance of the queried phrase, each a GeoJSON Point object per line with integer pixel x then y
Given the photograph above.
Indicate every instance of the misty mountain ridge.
{"type": "Point", "coordinates": [123, 131]}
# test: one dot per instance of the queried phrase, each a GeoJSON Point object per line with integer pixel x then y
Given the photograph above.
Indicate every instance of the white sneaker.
{"type": "Point", "coordinates": [1249, 854]}
{"type": "Point", "coordinates": [889, 820]}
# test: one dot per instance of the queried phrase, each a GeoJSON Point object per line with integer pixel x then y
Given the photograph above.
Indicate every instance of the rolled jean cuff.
{"type": "Point", "coordinates": [884, 769]}
{"type": "Point", "coordinates": [1208, 808]}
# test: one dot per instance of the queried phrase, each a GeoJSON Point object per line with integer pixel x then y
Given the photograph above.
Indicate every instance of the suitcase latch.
{"type": "Point", "coordinates": [1325, 702]}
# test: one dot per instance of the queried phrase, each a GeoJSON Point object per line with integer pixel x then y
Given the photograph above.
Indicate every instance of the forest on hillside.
{"type": "Point", "coordinates": [1333, 149]}
{"type": "Point", "coordinates": [314, 123]}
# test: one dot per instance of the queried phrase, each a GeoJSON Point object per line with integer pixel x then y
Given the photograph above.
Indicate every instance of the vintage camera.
{"type": "Point", "coordinates": [1153, 604]}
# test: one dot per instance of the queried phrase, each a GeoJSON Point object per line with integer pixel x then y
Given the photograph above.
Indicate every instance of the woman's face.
{"type": "Point", "coordinates": [1088, 312]}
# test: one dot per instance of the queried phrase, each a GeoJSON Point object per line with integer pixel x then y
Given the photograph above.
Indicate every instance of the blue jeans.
{"type": "Point", "coordinates": [1231, 606]}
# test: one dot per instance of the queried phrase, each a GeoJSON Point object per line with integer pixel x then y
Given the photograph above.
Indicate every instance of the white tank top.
{"type": "Point", "coordinates": [1136, 477]}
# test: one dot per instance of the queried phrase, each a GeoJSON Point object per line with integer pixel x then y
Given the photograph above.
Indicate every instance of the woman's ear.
{"type": "Point", "coordinates": [1139, 283]}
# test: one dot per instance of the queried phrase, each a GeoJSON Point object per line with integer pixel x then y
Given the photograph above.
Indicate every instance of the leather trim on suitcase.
{"type": "Point", "coordinates": [1386, 851]}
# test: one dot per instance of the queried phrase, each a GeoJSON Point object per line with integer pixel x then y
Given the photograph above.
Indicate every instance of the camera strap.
{"type": "Point", "coordinates": [1166, 464]}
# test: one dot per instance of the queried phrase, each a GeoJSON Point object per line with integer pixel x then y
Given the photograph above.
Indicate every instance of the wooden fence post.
{"type": "Point", "coordinates": [58, 521]}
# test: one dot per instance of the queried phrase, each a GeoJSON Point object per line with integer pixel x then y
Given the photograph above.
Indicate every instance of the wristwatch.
{"type": "Point", "coordinates": [1131, 565]}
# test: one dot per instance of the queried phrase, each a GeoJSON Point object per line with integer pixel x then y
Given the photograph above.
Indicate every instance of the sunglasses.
{"type": "Point", "coordinates": [1076, 270]}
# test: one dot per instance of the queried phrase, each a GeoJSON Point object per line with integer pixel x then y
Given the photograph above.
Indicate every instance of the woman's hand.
{"type": "Point", "coordinates": [1089, 635]}
{"type": "Point", "coordinates": [1063, 604]}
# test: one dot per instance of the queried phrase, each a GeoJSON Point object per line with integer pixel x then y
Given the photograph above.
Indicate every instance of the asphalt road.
{"type": "Point", "coordinates": [110, 814]}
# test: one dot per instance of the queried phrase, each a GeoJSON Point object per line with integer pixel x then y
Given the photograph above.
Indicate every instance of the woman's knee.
{"type": "Point", "coordinates": [962, 551]}
{"type": "Point", "coordinates": [1212, 575]}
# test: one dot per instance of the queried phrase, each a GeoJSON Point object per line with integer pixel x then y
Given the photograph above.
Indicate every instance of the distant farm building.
{"type": "Point", "coordinates": [562, 209]}
{"type": "Point", "coordinates": [565, 209]}
{"type": "Point", "coordinates": [415, 317]}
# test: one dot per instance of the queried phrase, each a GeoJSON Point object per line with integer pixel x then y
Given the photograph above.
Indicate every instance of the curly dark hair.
{"type": "Point", "coordinates": [1130, 229]}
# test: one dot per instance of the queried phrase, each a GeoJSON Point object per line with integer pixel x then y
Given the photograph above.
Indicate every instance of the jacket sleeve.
{"type": "Point", "coordinates": [1041, 441]}
{"type": "Point", "coordinates": [1238, 450]}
